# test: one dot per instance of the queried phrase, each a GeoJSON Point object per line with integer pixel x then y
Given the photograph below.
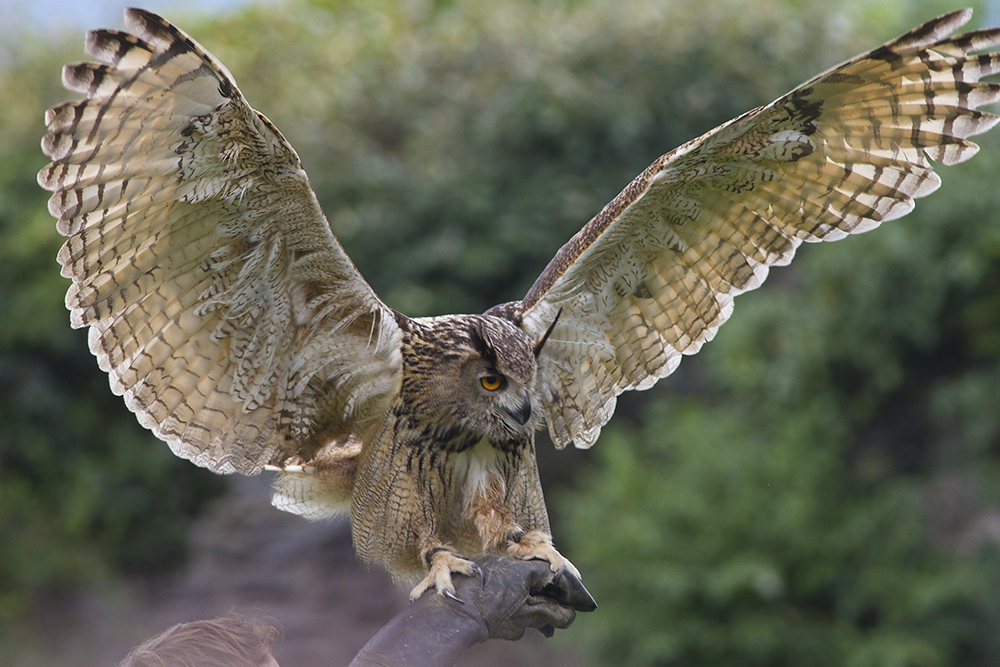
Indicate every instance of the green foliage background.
{"type": "Point", "coordinates": [819, 486]}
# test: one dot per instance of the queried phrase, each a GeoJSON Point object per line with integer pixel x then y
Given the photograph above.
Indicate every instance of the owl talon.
{"type": "Point", "coordinates": [536, 545]}
{"type": "Point", "coordinates": [442, 564]}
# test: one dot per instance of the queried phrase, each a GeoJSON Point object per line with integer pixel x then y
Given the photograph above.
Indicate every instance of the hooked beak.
{"type": "Point", "coordinates": [522, 413]}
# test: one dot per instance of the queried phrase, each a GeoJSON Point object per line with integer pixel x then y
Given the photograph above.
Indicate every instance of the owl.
{"type": "Point", "coordinates": [237, 329]}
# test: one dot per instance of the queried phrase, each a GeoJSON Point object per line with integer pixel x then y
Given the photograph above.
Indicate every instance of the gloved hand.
{"type": "Point", "coordinates": [513, 595]}
{"type": "Point", "coordinates": [510, 596]}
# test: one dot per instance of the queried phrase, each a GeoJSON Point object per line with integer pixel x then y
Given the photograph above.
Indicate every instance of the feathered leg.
{"type": "Point", "coordinates": [502, 535]}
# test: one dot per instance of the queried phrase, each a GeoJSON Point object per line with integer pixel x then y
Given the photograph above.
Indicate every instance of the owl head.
{"type": "Point", "coordinates": [482, 384]}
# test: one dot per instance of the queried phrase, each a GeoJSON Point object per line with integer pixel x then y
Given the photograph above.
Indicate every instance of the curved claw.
{"type": "Point", "coordinates": [443, 563]}
{"type": "Point", "coordinates": [478, 570]}
{"type": "Point", "coordinates": [536, 545]}
{"type": "Point", "coordinates": [448, 594]}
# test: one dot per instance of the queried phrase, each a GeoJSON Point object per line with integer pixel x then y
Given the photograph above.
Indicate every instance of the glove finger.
{"type": "Point", "coordinates": [539, 612]}
{"type": "Point", "coordinates": [566, 588]}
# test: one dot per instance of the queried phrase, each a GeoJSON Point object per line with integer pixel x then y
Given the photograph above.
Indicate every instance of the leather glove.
{"type": "Point", "coordinates": [510, 596]}
{"type": "Point", "coordinates": [513, 595]}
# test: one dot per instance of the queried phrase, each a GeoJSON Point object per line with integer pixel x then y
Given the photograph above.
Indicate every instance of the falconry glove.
{"type": "Point", "coordinates": [510, 596]}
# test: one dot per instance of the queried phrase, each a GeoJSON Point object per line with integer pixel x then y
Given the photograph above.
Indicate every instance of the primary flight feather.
{"type": "Point", "coordinates": [238, 330]}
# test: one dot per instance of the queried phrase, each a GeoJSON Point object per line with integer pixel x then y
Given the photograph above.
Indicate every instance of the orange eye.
{"type": "Point", "coordinates": [491, 382]}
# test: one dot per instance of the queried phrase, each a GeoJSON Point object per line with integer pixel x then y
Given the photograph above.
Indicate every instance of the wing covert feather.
{"type": "Point", "coordinates": [218, 300]}
{"type": "Point", "coordinates": [653, 275]}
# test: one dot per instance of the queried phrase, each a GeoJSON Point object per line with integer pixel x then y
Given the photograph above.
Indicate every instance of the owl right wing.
{"type": "Point", "coordinates": [218, 300]}
{"type": "Point", "coordinates": [653, 275]}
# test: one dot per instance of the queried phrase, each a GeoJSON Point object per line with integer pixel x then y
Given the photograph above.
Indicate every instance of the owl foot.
{"type": "Point", "coordinates": [441, 563]}
{"type": "Point", "coordinates": [536, 545]}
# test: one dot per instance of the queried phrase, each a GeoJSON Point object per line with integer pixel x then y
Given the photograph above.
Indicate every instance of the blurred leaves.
{"type": "Point", "coordinates": [725, 536]}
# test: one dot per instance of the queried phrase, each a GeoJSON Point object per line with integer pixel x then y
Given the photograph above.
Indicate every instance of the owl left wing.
{"type": "Point", "coordinates": [219, 302]}
{"type": "Point", "coordinates": [653, 275]}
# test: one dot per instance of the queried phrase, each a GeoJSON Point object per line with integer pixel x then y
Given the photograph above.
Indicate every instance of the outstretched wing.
{"type": "Point", "coordinates": [218, 300]}
{"type": "Point", "coordinates": [654, 274]}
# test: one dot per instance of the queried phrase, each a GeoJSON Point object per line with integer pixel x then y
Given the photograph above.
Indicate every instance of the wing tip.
{"type": "Point", "coordinates": [945, 24]}
{"type": "Point", "coordinates": [926, 34]}
{"type": "Point", "coordinates": [157, 31]}
{"type": "Point", "coordinates": [143, 20]}
{"type": "Point", "coordinates": [84, 77]}
{"type": "Point", "coordinates": [111, 46]}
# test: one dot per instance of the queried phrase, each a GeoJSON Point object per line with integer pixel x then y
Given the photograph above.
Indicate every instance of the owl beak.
{"type": "Point", "coordinates": [522, 413]}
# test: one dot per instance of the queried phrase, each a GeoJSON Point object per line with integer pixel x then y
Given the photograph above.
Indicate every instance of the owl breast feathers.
{"type": "Point", "coordinates": [236, 328]}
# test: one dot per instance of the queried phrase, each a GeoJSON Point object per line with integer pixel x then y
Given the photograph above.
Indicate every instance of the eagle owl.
{"type": "Point", "coordinates": [238, 331]}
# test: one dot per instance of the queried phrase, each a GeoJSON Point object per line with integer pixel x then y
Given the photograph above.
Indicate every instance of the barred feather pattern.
{"type": "Point", "coordinates": [652, 277]}
{"type": "Point", "coordinates": [218, 300]}
{"type": "Point", "coordinates": [238, 330]}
